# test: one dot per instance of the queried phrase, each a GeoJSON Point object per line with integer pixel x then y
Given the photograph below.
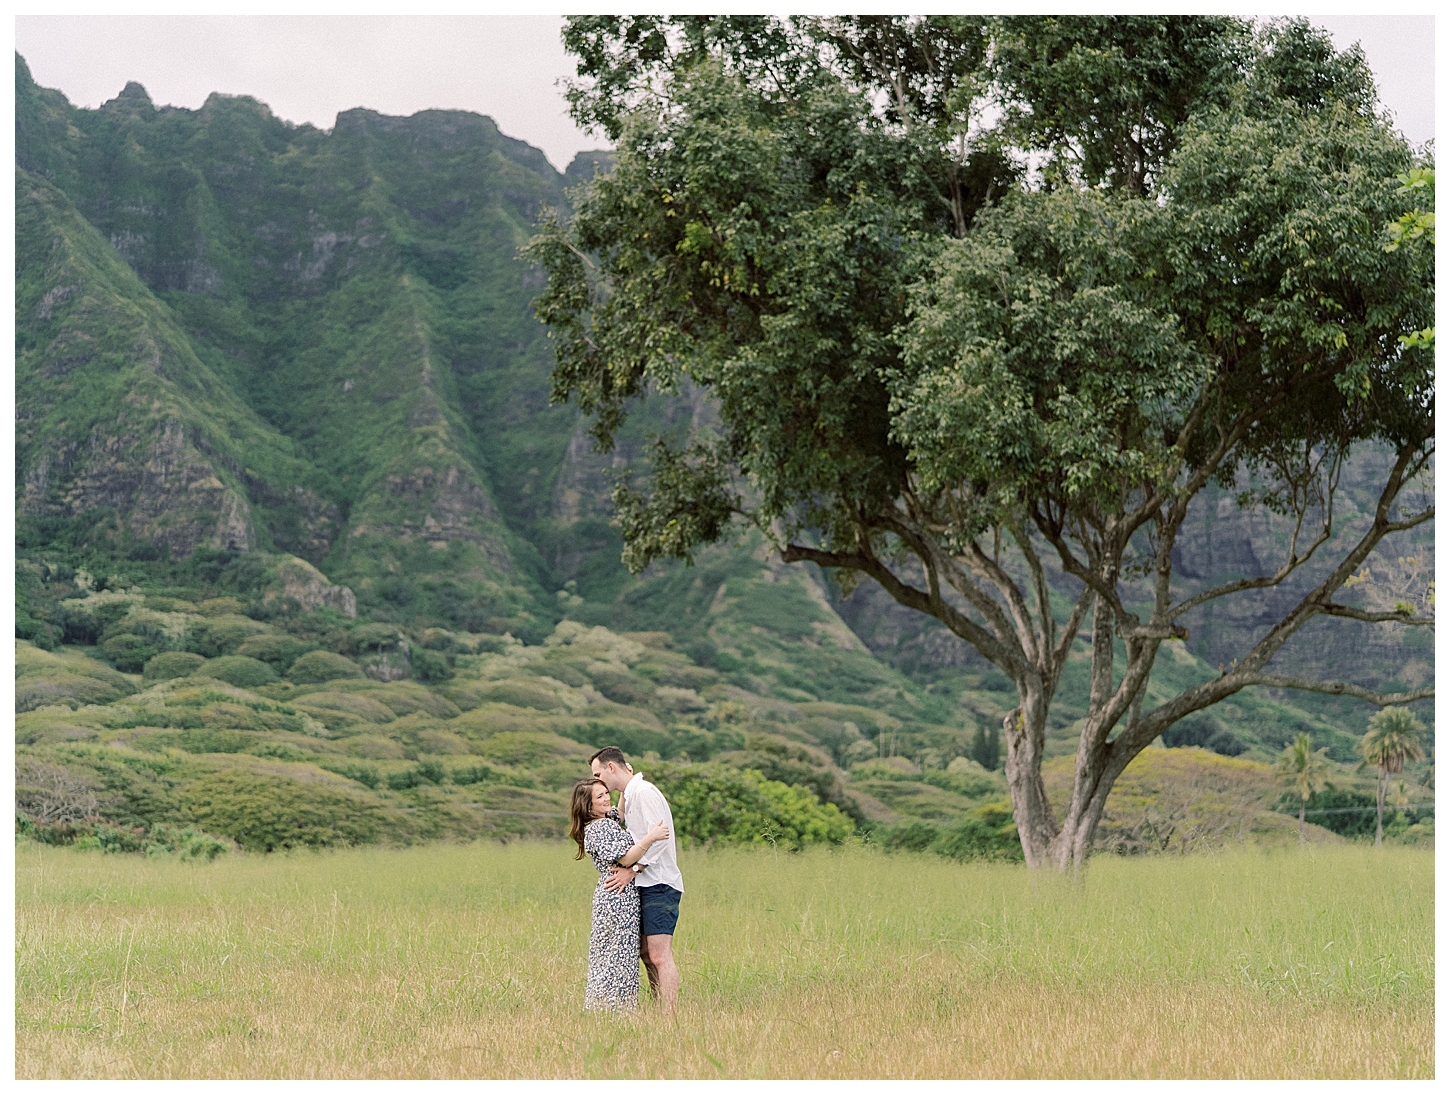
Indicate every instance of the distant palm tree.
{"type": "Point", "coordinates": [1305, 770]}
{"type": "Point", "coordinates": [1392, 739]}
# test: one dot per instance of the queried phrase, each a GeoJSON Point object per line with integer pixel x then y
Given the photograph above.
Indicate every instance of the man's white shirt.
{"type": "Point", "coordinates": [644, 805]}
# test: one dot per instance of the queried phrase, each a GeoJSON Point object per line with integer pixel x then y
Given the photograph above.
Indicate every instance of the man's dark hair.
{"type": "Point", "coordinates": [610, 753]}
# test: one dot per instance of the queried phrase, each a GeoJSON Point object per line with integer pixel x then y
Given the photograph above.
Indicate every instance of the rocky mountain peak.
{"type": "Point", "coordinates": [132, 97]}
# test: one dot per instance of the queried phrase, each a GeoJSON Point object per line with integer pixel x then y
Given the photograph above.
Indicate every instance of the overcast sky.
{"type": "Point", "coordinates": [308, 68]}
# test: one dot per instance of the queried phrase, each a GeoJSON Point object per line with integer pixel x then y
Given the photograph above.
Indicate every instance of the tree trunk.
{"type": "Point", "coordinates": [1073, 844]}
{"type": "Point", "coordinates": [1303, 805]}
{"type": "Point", "coordinates": [1077, 845]}
{"type": "Point", "coordinates": [1379, 809]}
{"type": "Point", "coordinates": [1026, 733]}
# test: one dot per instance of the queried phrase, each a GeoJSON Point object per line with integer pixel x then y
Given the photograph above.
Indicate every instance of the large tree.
{"type": "Point", "coordinates": [985, 305]}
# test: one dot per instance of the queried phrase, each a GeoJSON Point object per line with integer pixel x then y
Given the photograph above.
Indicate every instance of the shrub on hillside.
{"type": "Point", "coordinates": [265, 812]}
{"type": "Point", "coordinates": [136, 789]}
{"type": "Point", "coordinates": [57, 805]}
{"type": "Point", "coordinates": [390, 666]}
{"type": "Point", "coordinates": [148, 627]}
{"type": "Point", "coordinates": [532, 749]}
{"type": "Point", "coordinates": [77, 628]}
{"type": "Point", "coordinates": [794, 764]}
{"type": "Point", "coordinates": [220, 606]}
{"type": "Point", "coordinates": [914, 836]}
{"type": "Point", "coordinates": [886, 768]}
{"type": "Point", "coordinates": [70, 689]}
{"type": "Point", "coordinates": [964, 782]}
{"type": "Point", "coordinates": [1421, 834]}
{"type": "Point", "coordinates": [56, 833]}
{"type": "Point", "coordinates": [320, 666]}
{"type": "Point", "coordinates": [988, 832]}
{"type": "Point", "coordinates": [430, 666]}
{"type": "Point", "coordinates": [1175, 800]}
{"type": "Point", "coordinates": [440, 640]}
{"type": "Point", "coordinates": [238, 671]}
{"type": "Point", "coordinates": [173, 664]}
{"type": "Point", "coordinates": [128, 653]}
{"type": "Point", "coordinates": [279, 650]}
{"type": "Point", "coordinates": [369, 639]}
{"type": "Point", "coordinates": [406, 699]}
{"type": "Point", "coordinates": [48, 794]}
{"type": "Point", "coordinates": [1206, 732]}
{"type": "Point", "coordinates": [402, 781]}
{"type": "Point", "coordinates": [366, 774]}
{"type": "Point", "coordinates": [357, 706]}
{"type": "Point", "coordinates": [425, 771]}
{"type": "Point", "coordinates": [43, 678]}
{"type": "Point", "coordinates": [110, 614]}
{"type": "Point", "coordinates": [680, 741]}
{"type": "Point", "coordinates": [185, 841]}
{"type": "Point", "coordinates": [488, 773]}
{"type": "Point", "coordinates": [216, 636]}
{"type": "Point", "coordinates": [520, 693]}
{"type": "Point", "coordinates": [620, 686]}
{"type": "Point", "coordinates": [703, 651]}
{"type": "Point", "coordinates": [713, 803]}
{"type": "Point", "coordinates": [38, 629]}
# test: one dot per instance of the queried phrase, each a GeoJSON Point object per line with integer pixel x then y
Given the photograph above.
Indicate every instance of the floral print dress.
{"type": "Point", "coordinates": [613, 981]}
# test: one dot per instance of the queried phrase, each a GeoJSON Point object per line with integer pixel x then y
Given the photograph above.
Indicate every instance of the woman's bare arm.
{"type": "Point", "coordinates": [660, 832]}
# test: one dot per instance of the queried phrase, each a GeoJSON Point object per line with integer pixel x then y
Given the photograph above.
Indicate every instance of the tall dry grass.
{"type": "Point", "coordinates": [469, 962]}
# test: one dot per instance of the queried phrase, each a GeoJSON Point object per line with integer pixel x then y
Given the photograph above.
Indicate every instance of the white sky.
{"type": "Point", "coordinates": [308, 68]}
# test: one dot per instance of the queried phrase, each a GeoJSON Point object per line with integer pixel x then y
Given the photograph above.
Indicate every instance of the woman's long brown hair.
{"type": "Point", "coordinates": [581, 811]}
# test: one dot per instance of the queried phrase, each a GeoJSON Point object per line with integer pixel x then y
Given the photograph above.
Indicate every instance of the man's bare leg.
{"type": "Point", "coordinates": [649, 967]}
{"type": "Point", "coordinates": [664, 977]}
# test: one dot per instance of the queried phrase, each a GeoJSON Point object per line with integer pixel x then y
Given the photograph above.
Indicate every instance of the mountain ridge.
{"type": "Point", "coordinates": [273, 340]}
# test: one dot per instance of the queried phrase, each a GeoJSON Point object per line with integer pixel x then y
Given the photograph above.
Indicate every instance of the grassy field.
{"type": "Point", "coordinates": [468, 961]}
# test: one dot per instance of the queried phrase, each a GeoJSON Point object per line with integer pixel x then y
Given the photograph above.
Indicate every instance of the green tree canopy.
{"type": "Point", "coordinates": [979, 361]}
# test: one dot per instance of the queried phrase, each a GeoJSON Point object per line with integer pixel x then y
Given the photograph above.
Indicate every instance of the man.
{"type": "Point", "coordinates": [656, 875]}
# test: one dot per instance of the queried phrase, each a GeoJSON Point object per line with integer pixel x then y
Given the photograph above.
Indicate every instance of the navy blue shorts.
{"type": "Point", "coordinates": [659, 909]}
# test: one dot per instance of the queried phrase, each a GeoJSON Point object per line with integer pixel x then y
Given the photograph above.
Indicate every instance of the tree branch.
{"type": "Point", "coordinates": [924, 544]}
{"type": "Point", "coordinates": [1047, 626]}
{"type": "Point", "coordinates": [1242, 584]}
{"type": "Point", "coordinates": [1333, 609]}
{"type": "Point", "coordinates": [1083, 573]}
{"type": "Point", "coordinates": [1021, 615]}
{"type": "Point", "coordinates": [1410, 522]}
{"type": "Point", "coordinates": [990, 647]}
{"type": "Point", "coordinates": [1132, 741]}
{"type": "Point", "coordinates": [1069, 632]}
{"type": "Point", "coordinates": [1315, 601]}
{"type": "Point", "coordinates": [1337, 688]}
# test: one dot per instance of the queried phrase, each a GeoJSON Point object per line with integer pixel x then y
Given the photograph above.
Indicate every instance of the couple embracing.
{"type": "Point", "coordinates": [637, 899]}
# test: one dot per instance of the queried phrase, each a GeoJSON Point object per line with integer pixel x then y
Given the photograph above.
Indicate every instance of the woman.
{"type": "Point", "coordinates": [594, 824]}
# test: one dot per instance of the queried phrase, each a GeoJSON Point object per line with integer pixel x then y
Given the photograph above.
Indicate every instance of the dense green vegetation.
{"type": "Point", "coordinates": [340, 731]}
{"type": "Point", "coordinates": [306, 557]}
{"type": "Point", "coordinates": [304, 348]}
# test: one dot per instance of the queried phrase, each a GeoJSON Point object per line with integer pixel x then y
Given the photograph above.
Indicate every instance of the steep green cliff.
{"type": "Point", "coordinates": [349, 298]}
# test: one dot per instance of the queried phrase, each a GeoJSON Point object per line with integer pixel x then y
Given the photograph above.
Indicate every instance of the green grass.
{"type": "Point", "coordinates": [468, 961]}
